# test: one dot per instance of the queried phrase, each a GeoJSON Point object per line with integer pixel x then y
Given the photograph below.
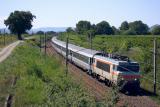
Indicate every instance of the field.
{"type": "Point", "coordinates": [137, 48]}
{"type": "Point", "coordinates": [7, 39]}
{"type": "Point", "coordinates": [40, 80]}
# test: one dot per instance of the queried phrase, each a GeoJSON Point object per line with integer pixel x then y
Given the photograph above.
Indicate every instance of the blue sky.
{"type": "Point", "coordinates": [65, 13]}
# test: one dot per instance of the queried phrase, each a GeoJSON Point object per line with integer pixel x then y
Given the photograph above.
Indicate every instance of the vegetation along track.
{"type": "Point", "coordinates": [100, 90]}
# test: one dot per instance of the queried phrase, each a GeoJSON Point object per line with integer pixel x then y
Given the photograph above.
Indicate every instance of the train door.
{"type": "Point", "coordinates": [90, 65]}
{"type": "Point", "coordinates": [61, 51]}
{"type": "Point", "coordinates": [71, 54]}
{"type": "Point", "coordinates": [93, 64]}
{"type": "Point", "coordinates": [113, 72]}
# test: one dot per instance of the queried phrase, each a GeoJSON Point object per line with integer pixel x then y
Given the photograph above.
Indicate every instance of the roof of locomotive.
{"type": "Point", "coordinates": [77, 49]}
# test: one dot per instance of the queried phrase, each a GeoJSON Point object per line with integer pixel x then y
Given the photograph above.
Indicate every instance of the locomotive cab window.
{"type": "Point", "coordinates": [93, 60]}
{"type": "Point", "coordinates": [128, 68]}
{"type": "Point", "coordinates": [103, 66]}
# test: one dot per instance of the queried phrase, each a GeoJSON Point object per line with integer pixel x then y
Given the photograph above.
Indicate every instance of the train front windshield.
{"type": "Point", "coordinates": [128, 68]}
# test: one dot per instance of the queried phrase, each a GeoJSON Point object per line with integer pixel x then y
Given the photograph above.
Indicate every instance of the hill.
{"type": "Point", "coordinates": [44, 29]}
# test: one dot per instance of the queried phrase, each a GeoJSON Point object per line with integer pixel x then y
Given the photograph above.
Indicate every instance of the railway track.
{"type": "Point", "coordinates": [99, 89]}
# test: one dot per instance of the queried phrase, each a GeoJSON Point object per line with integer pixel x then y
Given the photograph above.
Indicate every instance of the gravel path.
{"type": "Point", "coordinates": [98, 89]}
{"type": "Point", "coordinates": [6, 51]}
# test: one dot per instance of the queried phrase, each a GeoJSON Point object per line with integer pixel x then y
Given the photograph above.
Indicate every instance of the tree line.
{"type": "Point", "coordinates": [126, 28]}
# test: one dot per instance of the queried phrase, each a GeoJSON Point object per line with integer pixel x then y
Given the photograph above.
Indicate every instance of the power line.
{"type": "Point", "coordinates": [155, 65]}
{"type": "Point", "coordinates": [67, 57]}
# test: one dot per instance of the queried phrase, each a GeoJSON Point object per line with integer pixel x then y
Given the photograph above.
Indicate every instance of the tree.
{"type": "Point", "coordinates": [19, 21]}
{"type": "Point", "coordinates": [69, 29]}
{"type": "Point", "coordinates": [124, 26]}
{"type": "Point", "coordinates": [103, 28]}
{"type": "Point", "coordinates": [50, 32]}
{"type": "Point", "coordinates": [83, 26]}
{"type": "Point", "coordinates": [90, 33]}
{"type": "Point", "coordinates": [139, 27]}
{"type": "Point", "coordinates": [40, 33]}
{"type": "Point", "coordinates": [155, 30]}
{"type": "Point", "coordinates": [93, 27]}
{"type": "Point", "coordinates": [115, 30]}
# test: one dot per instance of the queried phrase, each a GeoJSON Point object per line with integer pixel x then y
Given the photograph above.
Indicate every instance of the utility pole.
{"type": "Point", "coordinates": [67, 56]}
{"type": "Point", "coordinates": [40, 42]}
{"type": "Point", "coordinates": [154, 64]}
{"type": "Point", "coordinates": [90, 40]}
{"type": "Point", "coordinates": [4, 37]}
{"type": "Point", "coordinates": [45, 43]}
{"type": "Point", "coordinates": [91, 60]}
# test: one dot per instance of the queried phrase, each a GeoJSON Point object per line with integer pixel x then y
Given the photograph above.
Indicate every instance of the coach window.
{"type": "Point", "coordinates": [70, 52]}
{"type": "Point", "coordinates": [83, 58]}
{"type": "Point", "coordinates": [60, 47]}
{"type": "Point", "coordinates": [63, 49]}
{"type": "Point", "coordinates": [103, 66]}
{"type": "Point", "coordinates": [56, 45]}
{"type": "Point", "coordinates": [75, 54]}
{"type": "Point", "coordinates": [93, 60]}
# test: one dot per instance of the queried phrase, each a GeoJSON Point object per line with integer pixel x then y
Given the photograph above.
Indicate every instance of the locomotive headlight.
{"type": "Point", "coordinates": [135, 79]}
{"type": "Point", "coordinates": [121, 77]}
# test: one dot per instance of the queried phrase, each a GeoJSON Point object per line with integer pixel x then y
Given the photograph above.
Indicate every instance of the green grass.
{"type": "Point", "coordinates": [138, 48]}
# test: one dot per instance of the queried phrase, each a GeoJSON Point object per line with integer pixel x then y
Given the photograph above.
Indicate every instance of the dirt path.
{"type": "Point", "coordinates": [6, 51]}
{"type": "Point", "coordinates": [98, 89]}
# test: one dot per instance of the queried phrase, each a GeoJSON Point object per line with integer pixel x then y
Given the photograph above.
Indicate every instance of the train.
{"type": "Point", "coordinates": [112, 69]}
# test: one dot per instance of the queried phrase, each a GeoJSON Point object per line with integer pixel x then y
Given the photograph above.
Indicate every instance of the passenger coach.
{"type": "Point", "coordinates": [80, 56]}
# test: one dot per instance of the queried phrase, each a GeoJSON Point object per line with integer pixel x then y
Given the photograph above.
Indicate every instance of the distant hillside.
{"type": "Point", "coordinates": [2, 30]}
{"type": "Point", "coordinates": [44, 29]}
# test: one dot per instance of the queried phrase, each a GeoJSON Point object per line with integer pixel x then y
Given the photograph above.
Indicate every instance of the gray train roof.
{"type": "Point", "coordinates": [74, 48]}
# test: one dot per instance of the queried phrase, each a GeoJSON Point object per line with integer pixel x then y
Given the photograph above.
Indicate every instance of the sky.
{"type": "Point", "coordinates": [66, 13]}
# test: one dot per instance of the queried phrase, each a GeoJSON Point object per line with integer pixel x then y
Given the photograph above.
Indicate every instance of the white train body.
{"type": "Point", "coordinates": [105, 68]}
